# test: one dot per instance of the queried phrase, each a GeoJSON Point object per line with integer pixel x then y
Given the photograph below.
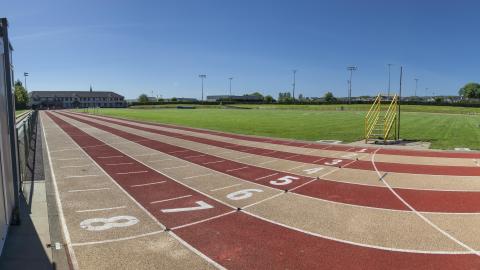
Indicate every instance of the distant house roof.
{"type": "Point", "coordinates": [81, 94]}
{"type": "Point", "coordinates": [225, 97]}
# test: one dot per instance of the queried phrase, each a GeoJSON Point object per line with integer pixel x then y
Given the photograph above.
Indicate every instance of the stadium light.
{"type": "Point", "coordinates": [25, 75]}
{"type": "Point", "coordinates": [351, 69]}
{"type": "Point", "coordinates": [416, 86]}
{"type": "Point", "coordinates": [202, 76]}
{"type": "Point", "coordinates": [231, 78]}
{"type": "Point", "coordinates": [389, 65]}
{"type": "Point", "coordinates": [293, 94]}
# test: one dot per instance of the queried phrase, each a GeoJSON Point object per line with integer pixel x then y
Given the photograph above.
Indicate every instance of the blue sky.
{"type": "Point", "coordinates": [135, 47]}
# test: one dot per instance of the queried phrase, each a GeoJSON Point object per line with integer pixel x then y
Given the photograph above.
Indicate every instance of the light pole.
{"type": "Point", "coordinates": [202, 76]}
{"type": "Point", "coordinates": [351, 69]}
{"type": "Point", "coordinates": [389, 65]}
{"type": "Point", "coordinates": [416, 86]}
{"type": "Point", "coordinates": [426, 91]}
{"type": "Point", "coordinates": [25, 75]}
{"type": "Point", "coordinates": [230, 79]}
{"type": "Point", "coordinates": [293, 96]}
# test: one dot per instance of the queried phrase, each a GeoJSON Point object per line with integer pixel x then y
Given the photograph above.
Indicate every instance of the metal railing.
{"type": "Point", "coordinates": [25, 127]}
{"type": "Point", "coordinates": [390, 118]}
{"type": "Point", "coordinates": [372, 117]}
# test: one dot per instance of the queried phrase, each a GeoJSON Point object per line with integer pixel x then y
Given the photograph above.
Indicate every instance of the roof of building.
{"type": "Point", "coordinates": [75, 94]}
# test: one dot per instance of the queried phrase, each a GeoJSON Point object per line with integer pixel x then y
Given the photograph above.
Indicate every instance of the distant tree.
{"type": "Point", "coordinates": [258, 94]}
{"type": "Point", "coordinates": [268, 99]}
{"type": "Point", "coordinates": [21, 95]}
{"type": "Point", "coordinates": [470, 90]}
{"type": "Point", "coordinates": [329, 97]}
{"type": "Point", "coordinates": [173, 99]}
{"type": "Point", "coordinates": [438, 100]}
{"type": "Point", "coordinates": [143, 98]}
{"type": "Point", "coordinates": [285, 97]}
{"type": "Point", "coordinates": [160, 100]}
{"type": "Point", "coordinates": [300, 97]}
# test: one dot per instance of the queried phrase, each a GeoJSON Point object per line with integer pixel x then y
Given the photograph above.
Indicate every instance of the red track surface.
{"type": "Point", "coordinates": [358, 164]}
{"type": "Point", "coordinates": [372, 196]}
{"type": "Point", "coordinates": [344, 148]}
{"type": "Point", "coordinates": [240, 241]}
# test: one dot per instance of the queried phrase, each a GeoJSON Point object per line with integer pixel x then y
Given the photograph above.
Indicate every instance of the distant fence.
{"type": "Point", "coordinates": [25, 128]}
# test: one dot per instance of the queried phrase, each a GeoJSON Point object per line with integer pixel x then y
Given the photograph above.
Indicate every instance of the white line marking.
{"type": "Point", "coordinates": [268, 161]}
{"type": "Point", "coordinates": [264, 200]}
{"type": "Point", "coordinates": [296, 167]}
{"type": "Point", "coordinates": [90, 189]}
{"type": "Point", "coordinates": [241, 168]}
{"type": "Point", "coordinates": [268, 152]}
{"type": "Point", "coordinates": [177, 167]}
{"type": "Point", "coordinates": [197, 176]}
{"type": "Point", "coordinates": [110, 157]}
{"type": "Point", "coordinates": [63, 150]}
{"type": "Point", "coordinates": [419, 214]}
{"type": "Point", "coordinates": [243, 157]}
{"type": "Point", "coordinates": [291, 156]}
{"type": "Point", "coordinates": [118, 164]}
{"type": "Point", "coordinates": [137, 172]}
{"type": "Point", "coordinates": [117, 239]}
{"type": "Point", "coordinates": [213, 162]}
{"type": "Point", "coordinates": [81, 176]}
{"type": "Point", "coordinates": [101, 209]}
{"type": "Point", "coordinates": [65, 159]}
{"type": "Point", "coordinates": [171, 199]}
{"type": "Point", "coordinates": [263, 177]}
{"type": "Point", "coordinates": [203, 220]}
{"type": "Point", "coordinates": [216, 189]}
{"type": "Point", "coordinates": [148, 184]}
{"type": "Point", "coordinates": [76, 166]}
{"type": "Point", "coordinates": [318, 160]}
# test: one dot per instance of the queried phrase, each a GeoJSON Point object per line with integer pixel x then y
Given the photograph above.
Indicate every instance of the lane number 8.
{"type": "Point", "coordinates": [101, 224]}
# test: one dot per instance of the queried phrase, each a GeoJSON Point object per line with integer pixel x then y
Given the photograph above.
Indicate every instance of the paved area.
{"type": "Point", "coordinates": [136, 195]}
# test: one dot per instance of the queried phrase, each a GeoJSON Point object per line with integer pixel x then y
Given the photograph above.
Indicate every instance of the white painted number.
{"type": "Point", "coordinates": [333, 162]}
{"type": "Point", "coordinates": [242, 194]}
{"type": "Point", "coordinates": [313, 170]}
{"type": "Point", "coordinates": [201, 206]}
{"type": "Point", "coordinates": [284, 180]}
{"type": "Point", "coordinates": [101, 224]}
{"type": "Point", "coordinates": [350, 155]}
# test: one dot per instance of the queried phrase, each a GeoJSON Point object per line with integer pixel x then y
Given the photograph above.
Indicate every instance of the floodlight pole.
{"type": "Point", "coordinates": [231, 78]}
{"type": "Point", "coordinates": [399, 101]}
{"type": "Point", "coordinates": [389, 65]}
{"type": "Point", "coordinates": [351, 69]}
{"type": "Point", "coordinates": [416, 86]}
{"type": "Point", "coordinates": [293, 96]}
{"type": "Point", "coordinates": [25, 75]}
{"type": "Point", "coordinates": [202, 76]}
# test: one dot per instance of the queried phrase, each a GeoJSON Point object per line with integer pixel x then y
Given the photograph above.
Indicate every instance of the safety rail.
{"type": "Point", "coordinates": [25, 127]}
{"type": "Point", "coordinates": [372, 117]}
{"type": "Point", "coordinates": [390, 118]}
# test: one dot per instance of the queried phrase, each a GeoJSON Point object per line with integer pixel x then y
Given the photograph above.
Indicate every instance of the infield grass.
{"type": "Point", "coordinates": [444, 131]}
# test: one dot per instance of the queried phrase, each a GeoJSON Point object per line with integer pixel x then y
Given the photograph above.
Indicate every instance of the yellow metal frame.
{"type": "Point", "coordinates": [389, 119]}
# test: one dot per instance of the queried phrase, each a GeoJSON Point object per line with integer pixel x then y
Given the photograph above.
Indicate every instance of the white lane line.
{"type": "Point", "coordinates": [101, 209]}
{"type": "Point", "coordinates": [264, 200]}
{"type": "Point", "coordinates": [197, 176]}
{"type": "Point", "coordinates": [318, 160]}
{"type": "Point", "coordinates": [268, 152]}
{"type": "Point", "coordinates": [116, 239]}
{"type": "Point", "coordinates": [241, 168]}
{"type": "Point", "coordinates": [148, 184]}
{"type": "Point", "coordinates": [428, 221]}
{"type": "Point", "coordinates": [225, 152]}
{"type": "Point", "coordinates": [118, 164]}
{"type": "Point", "coordinates": [291, 156]}
{"type": "Point", "coordinates": [171, 199]}
{"type": "Point", "coordinates": [203, 220]}
{"type": "Point", "coordinates": [66, 159]}
{"type": "Point", "coordinates": [160, 160]}
{"type": "Point", "coordinates": [136, 172]}
{"type": "Point", "coordinates": [260, 178]}
{"type": "Point", "coordinates": [76, 166]}
{"type": "Point", "coordinates": [213, 162]}
{"type": "Point", "coordinates": [296, 167]}
{"type": "Point", "coordinates": [63, 150]}
{"type": "Point", "coordinates": [216, 189]}
{"type": "Point", "coordinates": [179, 151]}
{"type": "Point", "coordinates": [90, 189]}
{"type": "Point", "coordinates": [105, 157]}
{"type": "Point", "coordinates": [177, 167]}
{"type": "Point", "coordinates": [195, 156]}
{"type": "Point", "coordinates": [81, 176]}
{"type": "Point", "coordinates": [268, 161]}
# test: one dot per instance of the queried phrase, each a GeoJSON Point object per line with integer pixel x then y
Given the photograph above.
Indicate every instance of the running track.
{"type": "Point", "coordinates": [237, 239]}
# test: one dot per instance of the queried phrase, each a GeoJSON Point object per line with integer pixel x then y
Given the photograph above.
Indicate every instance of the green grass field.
{"type": "Point", "coordinates": [17, 113]}
{"type": "Point", "coordinates": [443, 130]}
